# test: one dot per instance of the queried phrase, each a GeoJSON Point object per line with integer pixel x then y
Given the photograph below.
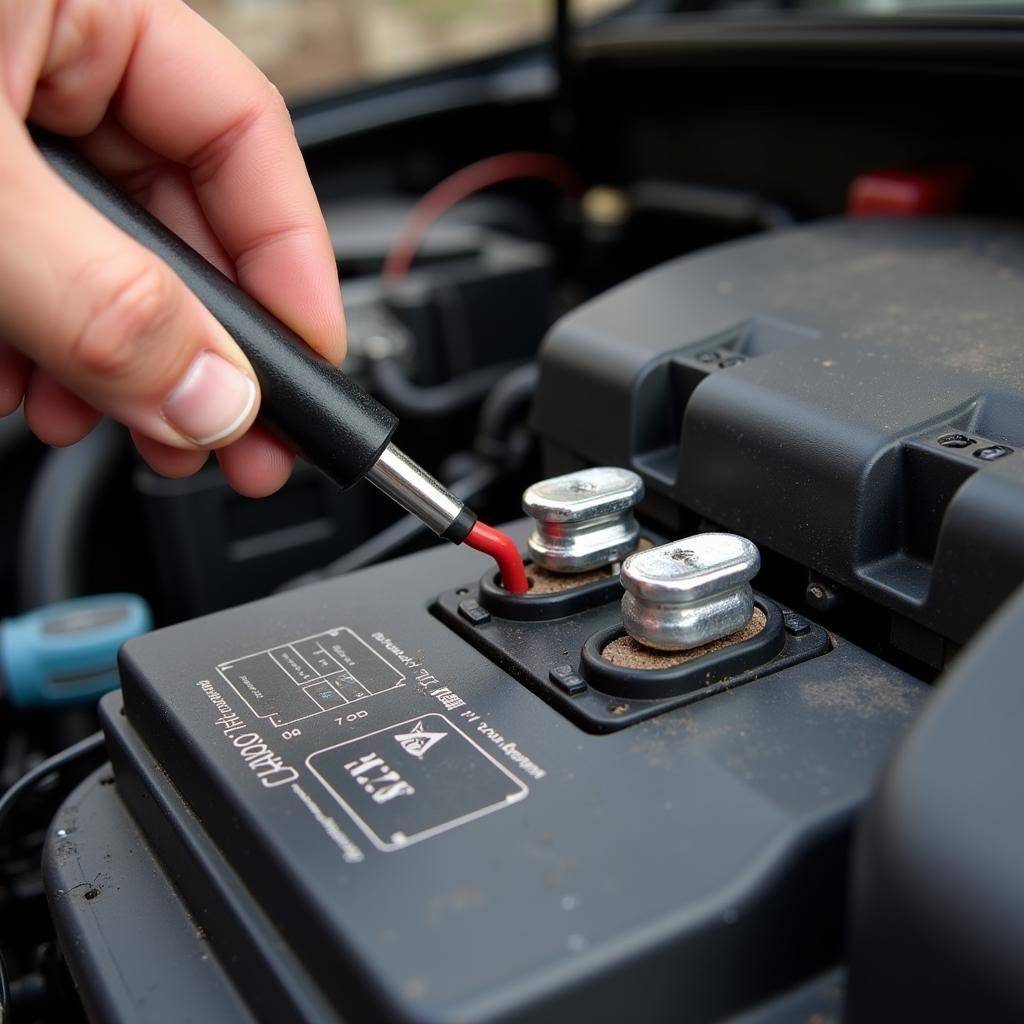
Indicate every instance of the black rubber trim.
{"type": "Point", "coordinates": [649, 684]}
{"type": "Point", "coordinates": [541, 607]}
{"type": "Point", "coordinates": [528, 652]}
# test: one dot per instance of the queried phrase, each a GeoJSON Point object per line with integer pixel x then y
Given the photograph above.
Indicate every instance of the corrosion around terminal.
{"type": "Point", "coordinates": [628, 653]}
{"type": "Point", "coordinates": [544, 581]}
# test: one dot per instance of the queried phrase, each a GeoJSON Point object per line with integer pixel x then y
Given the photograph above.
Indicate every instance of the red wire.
{"type": "Point", "coordinates": [474, 178]}
{"type": "Point", "coordinates": [441, 198]}
{"type": "Point", "coordinates": [503, 550]}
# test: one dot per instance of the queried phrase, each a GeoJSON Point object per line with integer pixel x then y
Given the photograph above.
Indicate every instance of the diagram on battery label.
{"type": "Point", "coordinates": [323, 672]}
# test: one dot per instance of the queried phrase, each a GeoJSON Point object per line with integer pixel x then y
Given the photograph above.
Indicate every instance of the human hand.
{"type": "Point", "coordinates": [92, 322]}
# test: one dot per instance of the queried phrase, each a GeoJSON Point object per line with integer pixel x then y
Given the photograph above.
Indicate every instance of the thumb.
{"type": "Point", "coordinates": [107, 318]}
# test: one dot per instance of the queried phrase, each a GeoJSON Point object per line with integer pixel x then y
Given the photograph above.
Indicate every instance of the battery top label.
{"type": "Point", "coordinates": [414, 780]}
{"type": "Point", "coordinates": [294, 681]}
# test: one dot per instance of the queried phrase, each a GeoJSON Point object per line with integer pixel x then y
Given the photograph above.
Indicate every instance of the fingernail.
{"type": "Point", "coordinates": [211, 401]}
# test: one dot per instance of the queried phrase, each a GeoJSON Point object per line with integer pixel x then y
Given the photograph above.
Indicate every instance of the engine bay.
{"type": "Point", "coordinates": [741, 341]}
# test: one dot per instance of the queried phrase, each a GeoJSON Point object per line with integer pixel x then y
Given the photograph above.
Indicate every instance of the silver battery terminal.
{"type": "Point", "coordinates": [690, 592]}
{"type": "Point", "coordinates": [584, 520]}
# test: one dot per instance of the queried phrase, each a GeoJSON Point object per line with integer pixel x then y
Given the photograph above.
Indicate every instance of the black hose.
{"type": "Point", "coordinates": [503, 408]}
{"type": "Point", "coordinates": [57, 763]}
{"type": "Point", "coordinates": [64, 493]}
{"type": "Point", "coordinates": [5, 994]}
{"type": "Point", "coordinates": [411, 401]}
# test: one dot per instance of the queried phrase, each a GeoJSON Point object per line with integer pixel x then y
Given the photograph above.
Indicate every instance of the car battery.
{"type": "Point", "coordinates": [336, 804]}
{"type": "Point", "coordinates": [408, 795]}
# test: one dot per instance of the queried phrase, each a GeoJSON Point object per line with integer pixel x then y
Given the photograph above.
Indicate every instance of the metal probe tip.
{"type": "Point", "coordinates": [418, 492]}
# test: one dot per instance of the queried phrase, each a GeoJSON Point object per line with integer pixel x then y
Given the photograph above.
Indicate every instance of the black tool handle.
{"type": "Point", "coordinates": [306, 401]}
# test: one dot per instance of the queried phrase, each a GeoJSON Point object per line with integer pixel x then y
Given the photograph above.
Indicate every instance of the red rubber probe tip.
{"type": "Point", "coordinates": [503, 550]}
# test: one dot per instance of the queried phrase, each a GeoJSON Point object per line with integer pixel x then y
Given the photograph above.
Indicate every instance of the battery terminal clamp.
{"type": "Point", "coordinates": [583, 520]}
{"type": "Point", "coordinates": [590, 656]}
{"type": "Point", "coordinates": [690, 592]}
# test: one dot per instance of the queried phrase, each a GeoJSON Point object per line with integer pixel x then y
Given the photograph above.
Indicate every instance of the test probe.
{"type": "Point", "coordinates": [310, 404]}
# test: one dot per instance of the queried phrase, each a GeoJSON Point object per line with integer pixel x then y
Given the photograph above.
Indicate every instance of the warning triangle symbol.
{"type": "Point", "coordinates": [418, 740]}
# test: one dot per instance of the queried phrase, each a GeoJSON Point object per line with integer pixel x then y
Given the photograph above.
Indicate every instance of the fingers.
{"type": "Point", "coordinates": [167, 461]}
{"type": "Point", "coordinates": [257, 464]}
{"type": "Point", "coordinates": [186, 93]}
{"type": "Point", "coordinates": [55, 415]}
{"type": "Point", "coordinates": [108, 319]}
{"type": "Point", "coordinates": [162, 187]}
{"type": "Point", "coordinates": [14, 374]}
{"type": "Point", "coordinates": [124, 335]}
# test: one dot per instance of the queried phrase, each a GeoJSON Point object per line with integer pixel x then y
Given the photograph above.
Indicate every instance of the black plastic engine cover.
{"type": "Point", "coordinates": [428, 840]}
{"type": "Point", "coordinates": [794, 388]}
{"type": "Point", "coordinates": [937, 908]}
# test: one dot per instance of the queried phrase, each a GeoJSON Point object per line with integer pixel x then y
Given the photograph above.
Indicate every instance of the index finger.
{"type": "Point", "coordinates": [190, 95]}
